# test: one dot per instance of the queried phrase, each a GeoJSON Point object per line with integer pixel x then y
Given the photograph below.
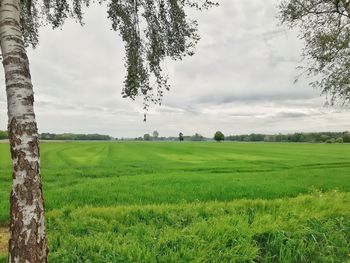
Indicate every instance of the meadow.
{"type": "Point", "coordinates": [192, 202]}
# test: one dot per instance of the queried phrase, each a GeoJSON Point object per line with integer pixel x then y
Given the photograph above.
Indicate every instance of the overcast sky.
{"type": "Point", "coordinates": [239, 81]}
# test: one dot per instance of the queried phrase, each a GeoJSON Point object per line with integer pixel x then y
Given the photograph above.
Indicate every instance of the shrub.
{"type": "Point", "coordinates": [339, 140]}
{"type": "Point", "coordinates": [219, 136]}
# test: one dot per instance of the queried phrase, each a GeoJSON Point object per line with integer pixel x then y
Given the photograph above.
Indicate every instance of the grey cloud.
{"type": "Point", "coordinates": [168, 109]}
{"type": "Point", "coordinates": [55, 105]}
{"type": "Point", "coordinates": [243, 115]}
{"type": "Point", "coordinates": [85, 109]}
{"type": "Point", "coordinates": [287, 114]}
{"type": "Point", "coordinates": [279, 115]}
{"type": "Point", "coordinates": [271, 34]}
{"type": "Point", "coordinates": [256, 97]}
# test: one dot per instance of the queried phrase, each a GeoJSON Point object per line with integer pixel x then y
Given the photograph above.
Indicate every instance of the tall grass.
{"type": "Point", "coordinates": [309, 228]}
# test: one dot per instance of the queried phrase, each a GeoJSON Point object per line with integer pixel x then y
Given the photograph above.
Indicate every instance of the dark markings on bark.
{"type": "Point", "coordinates": [12, 57]}
{"type": "Point", "coordinates": [28, 100]}
{"type": "Point", "coordinates": [12, 60]}
{"type": "Point", "coordinates": [21, 71]}
{"type": "Point", "coordinates": [18, 86]}
{"type": "Point", "coordinates": [22, 54]}
{"type": "Point", "coordinates": [28, 193]}
{"type": "Point", "coordinates": [24, 71]}
{"type": "Point", "coordinates": [10, 22]}
{"type": "Point", "coordinates": [34, 146]}
{"type": "Point", "coordinates": [14, 6]}
{"type": "Point", "coordinates": [18, 40]}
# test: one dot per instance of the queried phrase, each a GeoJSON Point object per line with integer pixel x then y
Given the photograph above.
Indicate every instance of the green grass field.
{"type": "Point", "coordinates": [193, 202]}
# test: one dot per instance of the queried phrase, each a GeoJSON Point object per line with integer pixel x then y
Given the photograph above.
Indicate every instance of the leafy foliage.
{"type": "Point", "coordinates": [151, 30]}
{"type": "Point", "coordinates": [219, 136]}
{"type": "Point", "coordinates": [155, 135]}
{"type": "Point", "coordinates": [147, 137]}
{"type": "Point", "coordinates": [325, 27]}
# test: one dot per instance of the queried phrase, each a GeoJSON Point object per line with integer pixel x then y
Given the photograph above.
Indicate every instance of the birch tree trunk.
{"type": "Point", "coordinates": [28, 242]}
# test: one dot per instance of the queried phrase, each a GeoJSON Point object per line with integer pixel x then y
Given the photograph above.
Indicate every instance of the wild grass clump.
{"type": "Point", "coordinates": [311, 228]}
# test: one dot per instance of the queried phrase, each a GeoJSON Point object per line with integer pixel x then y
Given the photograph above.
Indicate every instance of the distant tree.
{"type": "Point", "coordinates": [155, 135]}
{"type": "Point", "coordinates": [346, 137]}
{"type": "Point", "coordinates": [339, 140]}
{"type": "Point", "coordinates": [181, 137]}
{"type": "Point", "coordinates": [256, 137]}
{"type": "Point", "coordinates": [324, 138]}
{"type": "Point", "coordinates": [3, 135]}
{"type": "Point", "coordinates": [147, 137]}
{"type": "Point", "coordinates": [219, 136]}
{"type": "Point", "coordinates": [332, 140]}
{"type": "Point", "coordinates": [197, 137]}
{"type": "Point", "coordinates": [270, 138]}
{"type": "Point", "coordinates": [325, 28]}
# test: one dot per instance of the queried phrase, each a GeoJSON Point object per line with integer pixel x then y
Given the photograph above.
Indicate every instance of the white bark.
{"type": "Point", "coordinates": [28, 239]}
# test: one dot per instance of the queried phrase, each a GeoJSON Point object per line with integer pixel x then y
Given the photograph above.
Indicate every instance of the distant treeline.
{"type": "Point", "coordinates": [148, 137]}
{"type": "Point", "coordinates": [325, 137]}
{"type": "Point", "coordinates": [66, 137]}
{"type": "Point", "coordinates": [74, 137]}
{"type": "Point", "coordinates": [328, 137]}
{"type": "Point", "coordinates": [317, 137]}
